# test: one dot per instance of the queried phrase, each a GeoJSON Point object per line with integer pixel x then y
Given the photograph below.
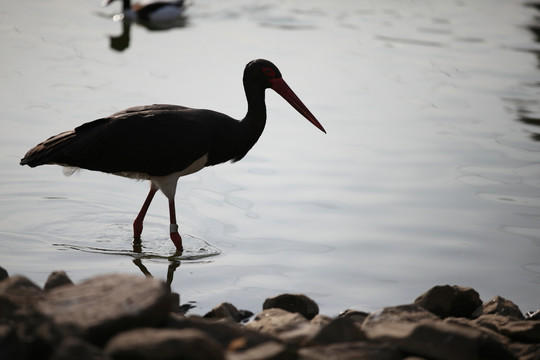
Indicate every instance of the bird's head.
{"type": "Point", "coordinates": [265, 74]}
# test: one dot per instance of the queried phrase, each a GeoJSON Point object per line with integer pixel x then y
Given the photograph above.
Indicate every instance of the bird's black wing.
{"type": "Point", "coordinates": [153, 140]}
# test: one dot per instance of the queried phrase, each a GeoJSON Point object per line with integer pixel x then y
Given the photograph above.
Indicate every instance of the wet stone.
{"type": "Point", "coordinates": [268, 351]}
{"type": "Point", "coordinates": [294, 303]}
{"type": "Point", "coordinates": [337, 331]}
{"type": "Point", "coordinates": [501, 306]}
{"type": "Point", "coordinates": [164, 344]}
{"type": "Point", "coordinates": [445, 301]}
{"type": "Point", "coordinates": [355, 315]}
{"type": "Point", "coordinates": [74, 348]}
{"type": "Point", "coordinates": [227, 311]}
{"type": "Point", "coordinates": [360, 350]}
{"type": "Point", "coordinates": [56, 279]}
{"type": "Point", "coordinates": [105, 305]}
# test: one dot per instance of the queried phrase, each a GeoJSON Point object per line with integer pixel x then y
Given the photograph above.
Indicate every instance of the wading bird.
{"type": "Point", "coordinates": [161, 143]}
{"type": "Point", "coordinates": [151, 11]}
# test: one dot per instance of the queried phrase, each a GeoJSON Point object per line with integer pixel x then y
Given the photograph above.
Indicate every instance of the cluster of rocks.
{"type": "Point", "coordinates": [131, 317]}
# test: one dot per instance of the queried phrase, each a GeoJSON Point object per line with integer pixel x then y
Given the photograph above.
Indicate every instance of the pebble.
{"type": "Point", "coordinates": [114, 317]}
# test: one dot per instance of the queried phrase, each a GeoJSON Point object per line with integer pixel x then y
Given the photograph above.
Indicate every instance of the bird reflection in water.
{"type": "Point", "coordinates": [155, 16]}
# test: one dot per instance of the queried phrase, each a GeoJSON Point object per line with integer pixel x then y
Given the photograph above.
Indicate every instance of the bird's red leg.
{"type": "Point", "coordinates": [138, 223]}
{"type": "Point", "coordinates": [175, 236]}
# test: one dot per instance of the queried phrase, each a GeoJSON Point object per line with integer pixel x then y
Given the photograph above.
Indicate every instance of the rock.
{"type": "Point", "coordinates": [398, 314]}
{"type": "Point", "coordinates": [337, 331]}
{"type": "Point", "coordinates": [294, 303]}
{"type": "Point", "coordinates": [74, 348]}
{"type": "Point", "coordinates": [105, 305]}
{"type": "Point", "coordinates": [526, 351]}
{"type": "Point", "coordinates": [439, 340]}
{"type": "Point", "coordinates": [164, 344]}
{"type": "Point", "coordinates": [3, 274]}
{"type": "Point", "coordinates": [25, 333]}
{"type": "Point", "coordinates": [268, 351]}
{"type": "Point", "coordinates": [527, 331]}
{"type": "Point", "coordinates": [355, 315]}
{"type": "Point", "coordinates": [445, 301]}
{"type": "Point", "coordinates": [228, 333]}
{"type": "Point", "coordinates": [56, 279]}
{"type": "Point", "coordinates": [18, 293]}
{"type": "Point", "coordinates": [499, 305]}
{"type": "Point", "coordinates": [359, 350]}
{"type": "Point", "coordinates": [228, 311]}
{"type": "Point", "coordinates": [321, 320]}
{"type": "Point", "coordinates": [292, 328]}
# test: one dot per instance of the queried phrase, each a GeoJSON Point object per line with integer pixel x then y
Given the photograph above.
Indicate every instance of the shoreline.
{"type": "Point", "coordinates": [117, 316]}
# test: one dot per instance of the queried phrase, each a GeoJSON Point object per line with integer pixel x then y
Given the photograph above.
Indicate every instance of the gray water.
{"type": "Point", "coordinates": [429, 173]}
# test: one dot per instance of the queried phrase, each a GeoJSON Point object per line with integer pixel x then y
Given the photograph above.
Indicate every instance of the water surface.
{"type": "Point", "coordinates": [429, 173]}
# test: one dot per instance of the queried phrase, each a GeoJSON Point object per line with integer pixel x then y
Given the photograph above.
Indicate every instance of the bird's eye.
{"type": "Point", "coordinates": [269, 72]}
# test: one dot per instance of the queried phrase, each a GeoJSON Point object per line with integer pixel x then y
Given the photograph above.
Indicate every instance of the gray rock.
{"type": "Point", "coordinates": [164, 344]}
{"type": "Point", "coordinates": [268, 351]}
{"type": "Point", "coordinates": [56, 279]}
{"type": "Point", "coordinates": [359, 350]}
{"type": "Point", "coordinates": [227, 311]}
{"type": "Point", "coordinates": [294, 303]}
{"type": "Point", "coordinates": [445, 301]}
{"type": "Point", "coordinates": [105, 305]}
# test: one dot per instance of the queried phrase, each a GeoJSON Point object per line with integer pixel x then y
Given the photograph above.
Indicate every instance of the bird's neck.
{"type": "Point", "coordinates": [255, 118]}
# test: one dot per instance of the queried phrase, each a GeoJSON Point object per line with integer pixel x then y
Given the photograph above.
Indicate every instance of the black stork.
{"type": "Point", "coordinates": [161, 143]}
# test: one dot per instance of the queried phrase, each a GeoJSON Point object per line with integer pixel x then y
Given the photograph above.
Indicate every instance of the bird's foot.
{"type": "Point", "coordinates": [176, 238]}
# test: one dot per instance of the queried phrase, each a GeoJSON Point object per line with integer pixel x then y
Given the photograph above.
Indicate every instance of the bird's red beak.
{"type": "Point", "coordinates": [280, 86]}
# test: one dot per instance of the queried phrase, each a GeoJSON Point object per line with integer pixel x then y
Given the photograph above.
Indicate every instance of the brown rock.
{"type": "Point", "coordinates": [267, 351]}
{"type": "Point", "coordinates": [501, 306]}
{"type": "Point", "coordinates": [440, 340]}
{"type": "Point", "coordinates": [398, 314]}
{"type": "Point", "coordinates": [355, 315]}
{"type": "Point", "coordinates": [227, 311]}
{"type": "Point", "coordinates": [73, 348]}
{"type": "Point", "coordinates": [294, 303]}
{"type": "Point", "coordinates": [18, 293]}
{"type": "Point", "coordinates": [321, 320]}
{"type": "Point", "coordinates": [105, 305]}
{"type": "Point", "coordinates": [359, 350]}
{"type": "Point", "coordinates": [164, 344]}
{"type": "Point", "coordinates": [228, 333]}
{"type": "Point", "coordinates": [56, 279]}
{"type": "Point", "coordinates": [527, 331]}
{"type": "Point", "coordinates": [338, 331]}
{"type": "Point", "coordinates": [292, 328]}
{"type": "Point", "coordinates": [25, 333]}
{"type": "Point", "coordinates": [526, 351]}
{"type": "Point", "coordinates": [445, 301]}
